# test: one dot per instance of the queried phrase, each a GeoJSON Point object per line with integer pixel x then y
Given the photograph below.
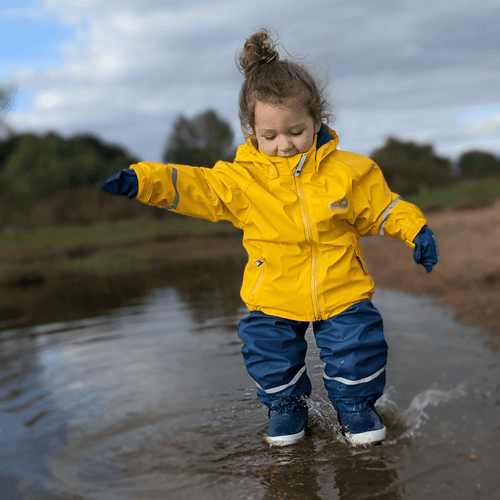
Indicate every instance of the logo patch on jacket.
{"type": "Point", "coordinates": [339, 204]}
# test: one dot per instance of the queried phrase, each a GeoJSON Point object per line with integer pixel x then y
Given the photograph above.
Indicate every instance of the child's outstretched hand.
{"type": "Point", "coordinates": [124, 183]}
{"type": "Point", "coordinates": [425, 252]}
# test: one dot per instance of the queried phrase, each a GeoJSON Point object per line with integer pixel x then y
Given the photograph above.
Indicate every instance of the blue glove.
{"type": "Point", "coordinates": [124, 183]}
{"type": "Point", "coordinates": [425, 252]}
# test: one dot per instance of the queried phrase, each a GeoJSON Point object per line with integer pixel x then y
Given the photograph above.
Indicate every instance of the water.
{"type": "Point", "coordinates": [152, 401]}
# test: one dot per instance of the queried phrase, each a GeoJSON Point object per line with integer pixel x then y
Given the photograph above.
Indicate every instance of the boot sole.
{"type": "Point", "coordinates": [367, 437]}
{"type": "Point", "coordinates": [284, 440]}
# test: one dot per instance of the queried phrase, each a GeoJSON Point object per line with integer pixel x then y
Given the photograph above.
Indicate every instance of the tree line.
{"type": "Point", "coordinates": [51, 180]}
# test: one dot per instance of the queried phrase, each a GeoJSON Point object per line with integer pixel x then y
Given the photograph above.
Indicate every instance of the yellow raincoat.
{"type": "Point", "coordinates": [302, 218]}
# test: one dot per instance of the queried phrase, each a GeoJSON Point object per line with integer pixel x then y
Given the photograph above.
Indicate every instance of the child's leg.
{"type": "Point", "coordinates": [274, 352]}
{"type": "Point", "coordinates": [355, 354]}
{"type": "Point", "coordinates": [354, 350]}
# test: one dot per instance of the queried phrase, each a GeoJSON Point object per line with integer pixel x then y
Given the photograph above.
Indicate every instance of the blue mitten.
{"type": "Point", "coordinates": [425, 252]}
{"type": "Point", "coordinates": [124, 183]}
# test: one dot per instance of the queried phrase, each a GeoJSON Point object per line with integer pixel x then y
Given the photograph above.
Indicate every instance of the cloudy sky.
{"type": "Point", "coordinates": [123, 70]}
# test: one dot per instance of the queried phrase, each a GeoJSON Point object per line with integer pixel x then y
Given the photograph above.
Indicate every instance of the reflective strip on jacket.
{"type": "Point", "coordinates": [302, 218]}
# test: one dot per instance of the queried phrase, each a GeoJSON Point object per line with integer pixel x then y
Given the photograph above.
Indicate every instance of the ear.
{"type": "Point", "coordinates": [317, 127]}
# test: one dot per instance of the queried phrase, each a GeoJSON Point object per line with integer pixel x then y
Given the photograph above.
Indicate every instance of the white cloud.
{"type": "Point", "coordinates": [395, 67]}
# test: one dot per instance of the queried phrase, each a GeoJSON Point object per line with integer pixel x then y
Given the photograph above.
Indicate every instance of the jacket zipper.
{"type": "Point", "coordinates": [262, 264]}
{"type": "Point", "coordinates": [306, 220]}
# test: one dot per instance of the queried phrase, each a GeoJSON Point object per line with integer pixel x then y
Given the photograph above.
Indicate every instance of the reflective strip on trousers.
{"type": "Point", "coordinates": [386, 214]}
{"type": "Point", "coordinates": [346, 381]}
{"type": "Point", "coordinates": [286, 386]}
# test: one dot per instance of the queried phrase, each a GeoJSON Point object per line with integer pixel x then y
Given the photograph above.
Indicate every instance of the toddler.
{"type": "Point", "coordinates": [303, 205]}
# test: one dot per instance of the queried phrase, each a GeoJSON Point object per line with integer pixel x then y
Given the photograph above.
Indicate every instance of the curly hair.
{"type": "Point", "coordinates": [270, 79]}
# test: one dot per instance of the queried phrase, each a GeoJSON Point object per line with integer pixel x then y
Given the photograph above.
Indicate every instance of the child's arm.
{"type": "Point", "coordinates": [213, 194]}
{"type": "Point", "coordinates": [380, 211]}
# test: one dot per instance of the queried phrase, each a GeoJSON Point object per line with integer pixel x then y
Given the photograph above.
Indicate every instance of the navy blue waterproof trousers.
{"type": "Point", "coordinates": [351, 344]}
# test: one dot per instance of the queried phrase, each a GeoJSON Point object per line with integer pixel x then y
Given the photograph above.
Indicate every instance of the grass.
{"type": "Point", "coordinates": [470, 193]}
{"type": "Point", "coordinates": [61, 237]}
{"type": "Point", "coordinates": [152, 253]}
{"type": "Point", "coordinates": [113, 261]}
{"type": "Point", "coordinates": [123, 246]}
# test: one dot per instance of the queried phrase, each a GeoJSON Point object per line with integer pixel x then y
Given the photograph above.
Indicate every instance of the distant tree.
{"type": "Point", "coordinates": [200, 141]}
{"type": "Point", "coordinates": [7, 147]}
{"type": "Point", "coordinates": [36, 167]}
{"type": "Point", "coordinates": [409, 168]}
{"type": "Point", "coordinates": [478, 164]}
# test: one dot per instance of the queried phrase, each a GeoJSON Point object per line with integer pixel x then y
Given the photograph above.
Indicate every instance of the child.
{"type": "Point", "coordinates": [303, 205]}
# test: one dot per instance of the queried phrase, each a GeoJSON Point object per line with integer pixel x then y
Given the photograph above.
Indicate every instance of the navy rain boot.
{"type": "Point", "coordinates": [362, 427]}
{"type": "Point", "coordinates": [286, 424]}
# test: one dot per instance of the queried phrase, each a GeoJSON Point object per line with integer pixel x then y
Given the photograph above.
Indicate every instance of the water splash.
{"type": "Point", "coordinates": [414, 416]}
{"type": "Point", "coordinates": [324, 416]}
{"type": "Point", "coordinates": [403, 422]}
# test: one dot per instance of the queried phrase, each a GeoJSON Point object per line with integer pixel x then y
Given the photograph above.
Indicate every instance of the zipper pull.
{"type": "Point", "coordinates": [300, 165]}
{"type": "Point", "coordinates": [259, 262]}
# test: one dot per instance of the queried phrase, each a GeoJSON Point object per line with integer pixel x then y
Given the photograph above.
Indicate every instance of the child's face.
{"type": "Point", "coordinates": [284, 129]}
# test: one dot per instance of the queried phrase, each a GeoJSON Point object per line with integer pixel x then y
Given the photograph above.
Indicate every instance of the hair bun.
{"type": "Point", "coordinates": [258, 50]}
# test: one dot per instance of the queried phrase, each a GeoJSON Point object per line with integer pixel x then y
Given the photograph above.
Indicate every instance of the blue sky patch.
{"type": "Point", "coordinates": [27, 41]}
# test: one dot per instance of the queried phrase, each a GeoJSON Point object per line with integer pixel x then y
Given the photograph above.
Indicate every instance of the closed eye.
{"type": "Point", "coordinates": [296, 133]}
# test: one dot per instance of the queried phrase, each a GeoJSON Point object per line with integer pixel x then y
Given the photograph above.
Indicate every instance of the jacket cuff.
{"type": "Point", "coordinates": [413, 231]}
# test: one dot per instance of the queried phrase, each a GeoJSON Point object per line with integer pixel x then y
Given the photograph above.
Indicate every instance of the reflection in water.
{"type": "Point", "coordinates": [325, 466]}
{"type": "Point", "coordinates": [291, 475]}
{"type": "Point", "coordinates": [26, 407]}
{"type": "Point", "coordinates": [153, 401]}
{"type": "Point", "coordinates": [210, 287]}
{"type": "Point", "coordinates": [367, 475]}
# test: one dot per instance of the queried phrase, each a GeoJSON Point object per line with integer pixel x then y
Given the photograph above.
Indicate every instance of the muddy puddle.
{"type": "Point", "coordinates": [152, 401]}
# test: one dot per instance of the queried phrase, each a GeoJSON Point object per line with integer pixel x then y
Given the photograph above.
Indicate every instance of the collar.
{"type": "Point", "coordinates": [325, 141]}
{"type": "Point", "coordinates": [324, 136]}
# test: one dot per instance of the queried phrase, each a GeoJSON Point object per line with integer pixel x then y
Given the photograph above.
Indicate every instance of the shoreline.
{"type": "Point", "coordinates": [466, 278]}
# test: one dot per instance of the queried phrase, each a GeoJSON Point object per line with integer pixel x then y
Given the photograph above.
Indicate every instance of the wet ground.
{"type": "Point", "coordinates": [152, 401]}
